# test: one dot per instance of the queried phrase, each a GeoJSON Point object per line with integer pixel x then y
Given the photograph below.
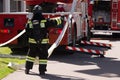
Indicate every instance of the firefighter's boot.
{"type": "Point", "coordinates": [42, 73]}
{"type": "Point", "coordinates": [27, 71]}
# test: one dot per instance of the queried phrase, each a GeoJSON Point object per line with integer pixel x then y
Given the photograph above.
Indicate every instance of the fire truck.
{"type": "Point", "coordinates": [105, 14]}
{"type": "Point", "coordinates": [12, 23]}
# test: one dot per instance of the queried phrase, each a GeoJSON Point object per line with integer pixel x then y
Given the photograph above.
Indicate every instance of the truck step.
{"type": "Point", "coordinates": [96, 44]}
{"type": "Point", "coordinates": [90, 51]}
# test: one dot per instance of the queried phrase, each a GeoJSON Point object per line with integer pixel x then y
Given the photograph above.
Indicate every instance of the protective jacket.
{"type": "Point", "coordinates": [37, 33]}
{"type": "Point", "coordinates": [37, 29]}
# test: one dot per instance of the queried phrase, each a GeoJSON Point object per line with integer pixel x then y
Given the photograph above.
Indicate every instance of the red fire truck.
{"type": "Point", "coordinates": [105, 14]}
{"type": "Point", "coordinates": [12, 23]}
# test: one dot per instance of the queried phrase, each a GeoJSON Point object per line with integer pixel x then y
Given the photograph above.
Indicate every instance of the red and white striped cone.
{"type": "Point", "coordinates": [96, 52]}
{"type": "Point", "coordinates": [96, 44]}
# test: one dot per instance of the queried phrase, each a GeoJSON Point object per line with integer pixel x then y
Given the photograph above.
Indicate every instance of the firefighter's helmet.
{"type": "Point", "coordinates": [37, 9]}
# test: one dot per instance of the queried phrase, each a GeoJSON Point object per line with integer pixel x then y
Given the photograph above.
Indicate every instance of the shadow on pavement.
{"type": "Point", "coordinates": [54, 77]}
{"type": "Point", "coordinates": [60, 77]}
{"type": "Point", "coordinates": [108, 67]}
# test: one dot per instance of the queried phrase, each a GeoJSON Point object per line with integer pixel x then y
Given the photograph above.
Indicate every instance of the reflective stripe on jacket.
{"type": "Point", "coordinates": [42, 23]}
{"type": "Point", "coordinates": [30, 24]}
{"type": "Point", "coordinates": [59, 21]}
{"type": "Point", "coordinates": [44, 41]}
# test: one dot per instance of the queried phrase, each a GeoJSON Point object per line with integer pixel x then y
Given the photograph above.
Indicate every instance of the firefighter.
{"type": "Point", "coordinates": [60, 8]}
{"type": "Point", "coordinates": [37, 32]}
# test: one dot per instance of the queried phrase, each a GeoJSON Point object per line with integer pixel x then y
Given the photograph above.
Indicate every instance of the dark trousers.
{"type": "Point", "coordinates": [37, 50]}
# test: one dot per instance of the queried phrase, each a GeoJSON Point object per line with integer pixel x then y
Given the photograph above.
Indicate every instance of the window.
{"type": "Point", "coordinates": [1, 5]}
{"type": "Point", "coordinates": [9, 22]}
{"type": "Point", "coordinates": [15, 6]}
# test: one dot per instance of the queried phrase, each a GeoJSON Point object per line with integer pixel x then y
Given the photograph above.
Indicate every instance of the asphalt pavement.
{"type": "Point", "coordinates": [78, 66]}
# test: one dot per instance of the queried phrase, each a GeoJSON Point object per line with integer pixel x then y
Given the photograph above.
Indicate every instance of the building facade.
{"type": "Point", "coordinates": [12, 6]}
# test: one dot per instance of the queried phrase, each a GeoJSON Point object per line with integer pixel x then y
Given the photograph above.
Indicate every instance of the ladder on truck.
{"type": "Point", "coordinates": [90, 51]}
{"type": "Point", "coordinates": [114, 13]}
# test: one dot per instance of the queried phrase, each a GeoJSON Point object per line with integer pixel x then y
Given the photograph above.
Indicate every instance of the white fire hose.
{"type": "Point", "coordinates": [9, 41]}
{"type": "Point", "coordinates": [57, 42]}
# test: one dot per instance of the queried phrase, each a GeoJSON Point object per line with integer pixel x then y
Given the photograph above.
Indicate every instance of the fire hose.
{"type": "Point", "coordinates": [7, 42]}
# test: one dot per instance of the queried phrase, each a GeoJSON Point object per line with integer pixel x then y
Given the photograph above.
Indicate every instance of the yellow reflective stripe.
{"type": "Point", "coordinates": [30, 23]}
{"type": "Point", "coordinates": [42, 23]}
{"type": "Point", "coordinates": [44, 41]}
{"type": "Point", "coordinates": [42, 61]}
{"type": "Point", "coordinates": [31, 40]}
{"type": "Point", "coordinates": [31, 59]}
{"type": "Point", "coordinates": [58, 21]}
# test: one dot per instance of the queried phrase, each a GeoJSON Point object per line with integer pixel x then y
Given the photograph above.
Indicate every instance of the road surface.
{"type": "Point", "coordinates": [77, 67]}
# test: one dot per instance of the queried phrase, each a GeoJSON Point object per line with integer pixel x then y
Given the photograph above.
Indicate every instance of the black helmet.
{"type": "Point", "coordinates": [37, 9]}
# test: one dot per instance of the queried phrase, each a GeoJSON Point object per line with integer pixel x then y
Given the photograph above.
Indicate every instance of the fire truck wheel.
{"type": "Point", "coordinates": [63, 50]}
{"type": "Point", "coordinates": [116, 35]}
{"type": "Point", "coordinates": [69, 52]}
{"type": "Point", "coordinates": [102, 56]}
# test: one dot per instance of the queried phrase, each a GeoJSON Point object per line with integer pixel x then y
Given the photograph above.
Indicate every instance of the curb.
{"type": "Point", "coordinates": [12, 56]}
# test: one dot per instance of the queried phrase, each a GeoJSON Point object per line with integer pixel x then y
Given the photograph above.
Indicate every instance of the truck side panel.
{"type": "Point", "coordinates": [118, 24]}
{"type": "Point", "coordinates": [12, 22]}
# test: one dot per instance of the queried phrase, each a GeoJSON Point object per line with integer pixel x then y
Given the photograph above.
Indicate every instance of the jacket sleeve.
{"type": "Point", "coordinates": [28, 29]}
{"type": "Point", "coordinates": [54, 22]}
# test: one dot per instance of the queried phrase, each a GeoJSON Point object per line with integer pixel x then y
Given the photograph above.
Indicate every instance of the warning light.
{"type": "Point", "coordinates": [6, 31]}
{"type": "Point", "coordinates": [58, 31]}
